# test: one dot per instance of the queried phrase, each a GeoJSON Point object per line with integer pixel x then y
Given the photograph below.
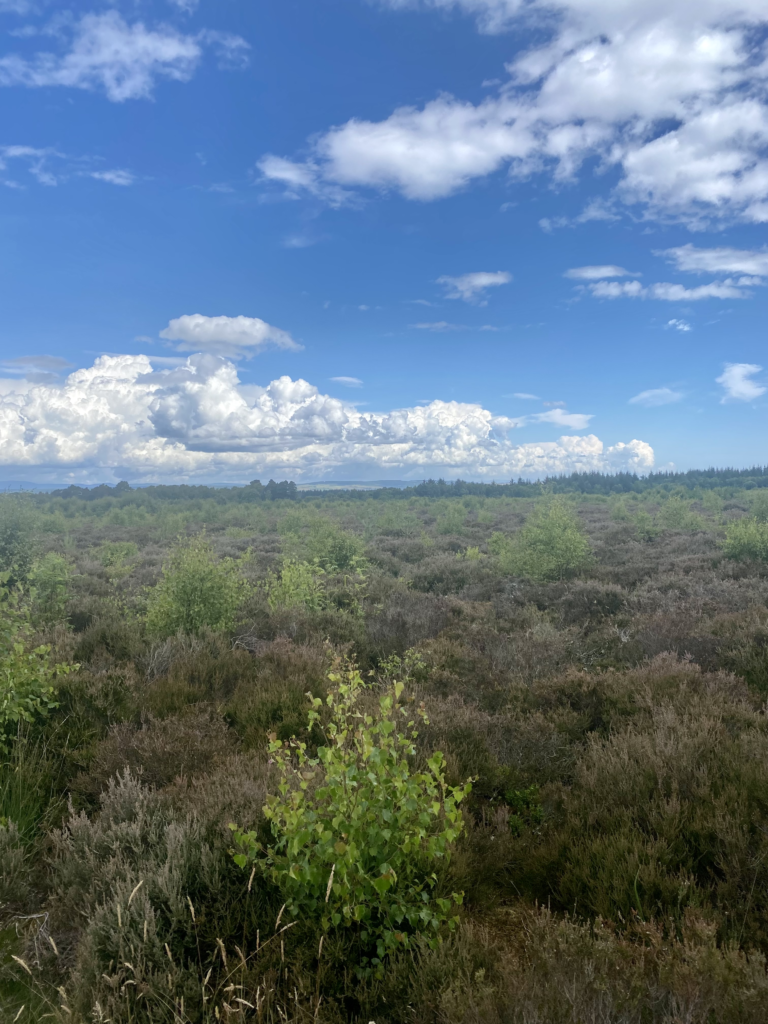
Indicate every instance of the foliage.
{"type": "Point", "coordinates": [358, 832]}
{"type": "Point", "coordinates": [550, 546]}
{"type": "Point", "coordinates": [300, 584]}
{"type": "Point", "coordinates": [18, 520]}
{"type": "Point", "coordinates": [747, 539]}
{"type": "Point", "coordinates": [26, 672]}
{"type": "Point", "coordinates": [676, 514]}
{"type": "Point", "coordinates": [196, 592]}
{"type": "Point", "coordinates": [50, 578]}
{"type": "Point", "coordinates": [117, 557]}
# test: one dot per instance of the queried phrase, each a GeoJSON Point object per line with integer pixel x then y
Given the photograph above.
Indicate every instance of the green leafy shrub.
{"type": "Point", "coordinates": [300, 584]}
{"type": "Point", "coordinates": [50, 578]}
{"type": "Point", "coordinates": [451, 519]}
{"type": "Point", "coordinates": [676, 514]}
{"type": "Point", "coordinates": [358, 832]}
{"type": "Point", "coordinates": [645, 526]}
{"type": "Point", "coordinates": [747, 540]}
{"type": "Point", "coordinates": [550, 546]}
{"type": "Point", "coordinates": [196, 592]}
{"type": "Point", "coordinates": [26, 672]}
{"type": "Point", "coordinates": [18, 520]}
{"type": "Point", "coordinates": [322, 541]}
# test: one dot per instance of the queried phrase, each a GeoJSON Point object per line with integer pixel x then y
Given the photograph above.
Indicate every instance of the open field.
{"type": "Point", "coordinates": [591, 654]}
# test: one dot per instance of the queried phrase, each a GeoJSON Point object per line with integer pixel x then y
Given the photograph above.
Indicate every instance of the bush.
{"type": "Point", "coordinates": [298, 585]}
{"type": "Point", "coordinates": [17, 524]}
{"type": "Point", "coordinates": [550, 546]}
{"type": "Point", "coordinates": [747, 539]}
{"type": "Point", "coordinates": [26, 673]}
{"type": "Point", "coordinates": [357, 832]}
{"type": "Point", "coordinates": [196, 592]}
{"type": "Point", "coordinates": [50, 577]}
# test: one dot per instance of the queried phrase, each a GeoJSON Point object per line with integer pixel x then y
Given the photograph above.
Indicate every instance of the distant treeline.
{"type": "Point", "coordinates": [576, 483]}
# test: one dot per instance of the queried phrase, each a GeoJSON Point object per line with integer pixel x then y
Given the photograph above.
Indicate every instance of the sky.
{"type": "Point", "coordinates": [381, 239]}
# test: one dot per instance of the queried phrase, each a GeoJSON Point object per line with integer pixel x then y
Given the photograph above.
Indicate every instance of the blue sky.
{"type": "Point", "coordinates": [346, 239]}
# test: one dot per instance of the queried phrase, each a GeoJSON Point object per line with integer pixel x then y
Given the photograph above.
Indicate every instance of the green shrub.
{"type": "Point", "coordinates": [747, 540]}
{"type": "Point", "coordinates": [324, 542]}
{"type": "Point", "coordinates": [357, 831]}
{"type": "Point", "coordinates": [50, 577]}
{"type": "Point", "coordinates": [550, 546]}
{"type": "Point", "coordinates": [26, 672]}
{"type": "Point", "coordinates": [676, 514]}
{"type": "Point", "coordinates": [196, 592]}
{"type": "Point", "coordinates": [645, 526]}
{"type": "Point", "coordinates": [17, 527]}
{"type": "Point", "coordinates": [300, 584]}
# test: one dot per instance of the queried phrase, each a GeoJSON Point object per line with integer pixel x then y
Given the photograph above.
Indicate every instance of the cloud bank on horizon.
{"type": "Point", "coordinates": [120, 417]}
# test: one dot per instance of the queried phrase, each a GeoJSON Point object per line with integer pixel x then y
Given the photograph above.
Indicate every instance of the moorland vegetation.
{"type": "Point", "coordinates": [456, 754]}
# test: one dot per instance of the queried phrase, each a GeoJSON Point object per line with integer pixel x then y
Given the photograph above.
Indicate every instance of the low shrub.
{"type": "Point", "coordinates": [195, 592]}
{"type": "Point", "coordinates": [747, 539]}
{"type": "Point", "coordinates": [551, 545]}
{"type": "Point", "coordinates": [357, 832]}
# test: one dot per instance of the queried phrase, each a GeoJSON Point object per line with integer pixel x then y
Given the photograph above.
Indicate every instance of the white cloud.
{"type": "Point", "coordinates": [471, 287]}
{"type": "Point", "coordinates": [105, 52]}
{"type": "Point", "coordinates": [574, 420]}
{"type": "Point", "coordinates": [492, 15]}
{"type": "Point", "coordinates": [668, 292]}
{"type": "Point", "coordinates": [679, 325]}
{"type": "Point", "coordinates": [349, 382]}
{"type": "Point", "coordinates": [735, 379]}
{"type": "Point", "coordinates": [670, 94]}
{"type": "Point", "coordinates": [718, 261]}
{"type": "Point", "coordinates": [36, 161]}
{"type": "Point", "coordinates": [233, 336]}
{"type": "Point", "coordinates": [657, 396]}
{"type": "Point", "coordinates": [595, 273]}
{"type": "Point", "coordinates": [437, 325]}
{"type": "Point", "coordinates": [197, 420]}
{"type": "Point", "coordinates": [617, 289]}
{"type": "Point", "coordinates": [525, 395]}
{"type": "Point", "coordinates": [299, 178]}
{"type": "Point", "coordinates": [114, 177]}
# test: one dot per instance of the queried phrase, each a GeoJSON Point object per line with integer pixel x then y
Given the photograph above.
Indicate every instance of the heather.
{"type": "Point", "coordinates": [492, 753]}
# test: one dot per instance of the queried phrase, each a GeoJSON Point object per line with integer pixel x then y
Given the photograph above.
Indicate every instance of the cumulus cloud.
{"type": "Point", "coordinates": [125, 61]}
{"type": "Point", "coordinates": [471, 287]}
{"type": "Point", "coordinates": [718, 261]}
{"type": "Point", "coordinates": [657, 396]}
{"type": "Point", "coordinates": [672, 95]}
{"type": "Point", "coordinates": [197, 420]}
{"type": "Point", "coordinates": [348, 382]}
{"type": "Point", "coordinates": [737, 384]}
{"type": "Point", "coordinates": [679, 325]}
{"type": "Point", "coordinates": [233, 336]}
{"type": "Point", "coordinates": [598, 272]}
